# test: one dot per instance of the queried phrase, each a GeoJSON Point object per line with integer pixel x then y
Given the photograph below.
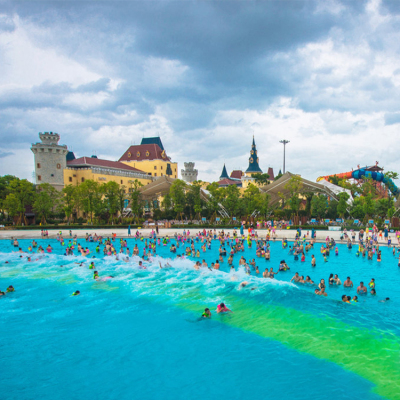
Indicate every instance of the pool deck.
{"type": "Point", "coordinates": [123, 233]}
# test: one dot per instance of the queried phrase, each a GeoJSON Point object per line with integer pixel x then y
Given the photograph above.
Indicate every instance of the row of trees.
{"type": "Point", "coordinates": [188, 201]}
{"type": "Point", "coordinates": [104, 203]}
{"type": "Point", "coordinates": [101, 202]}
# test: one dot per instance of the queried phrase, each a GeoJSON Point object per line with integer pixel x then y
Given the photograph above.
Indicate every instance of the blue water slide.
{"type": "Point", "coordinates": [376, 176]}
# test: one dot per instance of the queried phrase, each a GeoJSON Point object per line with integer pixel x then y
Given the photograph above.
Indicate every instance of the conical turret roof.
{"type": "Point", "coordinates": [224, 174]}
{"type": "Point", "coordinates": [253, 160]}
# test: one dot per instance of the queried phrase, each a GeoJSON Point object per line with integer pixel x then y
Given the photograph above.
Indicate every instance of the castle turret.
{"type": "Point", "coordinates": [50, 160]}
{"type": "Point", "coordinates": [253, 168]}
{"type": "Point", "coordinates": [224, 174]}
{"type": "Point", "coordinates": [189, 174]}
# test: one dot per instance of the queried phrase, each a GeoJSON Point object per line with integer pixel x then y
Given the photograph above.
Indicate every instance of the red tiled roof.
{"type": "Point", "coordinates": [271, 173]}
{"type": "Point", "coordinates": [227, 182]}
{"type": "Point", "coordinates": [236, 174]}
{"type": "Point", "coordinates": [142, 152]}
{"type": "Point", "coordinates": [97, 162]}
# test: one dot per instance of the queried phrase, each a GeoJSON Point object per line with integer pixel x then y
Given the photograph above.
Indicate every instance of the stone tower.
{"type": "Point", "coordinates": [50, 160]}
{"type": "Point", "coordinates": [189, 174]}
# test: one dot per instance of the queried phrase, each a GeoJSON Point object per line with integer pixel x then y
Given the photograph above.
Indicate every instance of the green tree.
{"type": "Point", "coordinates": [69, 201]}
{"type": "Point", "coordinates": [121, 197]}
{"type": "Point", "coordinates": [137, 202]}
{"type": "Point", "coordinates": [194, 202]}
{"type": "Point", "coordinates": [357, 208]}
{"type": "Point", "coordinates": [332, 212]}
{"type": "Point", "coordinates": [342, 205]}
{"type": "Point", "coordinates": [319, 205]}
{"type": "Point", "coordinates": [392, 175]}
{"type": "Point", "coordinates": [231, 200]}
{"type": "Point", "coordinates": [178, 197]}
{"type": "Point", "coordinates": [265, 208]}
{"type": "Point", "coordinates": [334, 179]}
{"type": "Point", "coordinates": [261, 179]}
{"type": "Point", "coordinates": [21, 194]}
{"type": "Point", "coordinates": [166, 203]}
{"type": "Point", "coordinates": [252, 199]}
{"type": "Point", "coordinates": [368, 206]}
{"type": "Point", "coordinates": [47, 200]}
{"type": "Point", "coordinates": [195, 190]}
{"type": "Point", "coordinates": [216, 198]}
{"type": "Point", "coordinates": [90, 191]}
{"type": "Point", "coordinates": [111, 192]}
{"type": "Point", "coordinates": [309, 196]}
{"type": "Point", "coordinates": [294, 186]}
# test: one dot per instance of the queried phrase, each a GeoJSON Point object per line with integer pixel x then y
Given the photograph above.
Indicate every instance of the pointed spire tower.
{"type": "Point", "coordinates": [224, 174]}
{"type": "Point", "coordinates": [253, 168]}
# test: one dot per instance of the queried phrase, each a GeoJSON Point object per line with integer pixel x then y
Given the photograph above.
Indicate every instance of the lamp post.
{"type": "Point", "coordinates": [285, 142]}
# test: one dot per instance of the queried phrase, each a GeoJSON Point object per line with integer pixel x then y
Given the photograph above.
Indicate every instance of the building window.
{"type": "Point", "coordinates": [155, 167]}
{"type": "Point", "coordinates": [155, 173]}
{"type": "Point", "coordinates": [147, 153]}
{"type": "Point", "coordinates": [70, 179]}
{"type": "Point", "coordinates": [122, 181]}
{"type": "Point", "coordinates": [38, 164]}
{"type": "Point", "coordinates": [161, 167]}
{"type": "Point", "coordinates": [39, 177]}
{"type": "Point", "coordinates": [58, 166]}
{"type": "Point", "coordinates": [51, 174]}
{"type": "Point", "coordinates": [82, 179]}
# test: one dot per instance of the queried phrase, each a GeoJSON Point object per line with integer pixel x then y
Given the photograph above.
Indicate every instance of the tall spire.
{"type": "Point", "coordinates": [224, 174]}
{"type": "Point", "coordinates": [253, 160]}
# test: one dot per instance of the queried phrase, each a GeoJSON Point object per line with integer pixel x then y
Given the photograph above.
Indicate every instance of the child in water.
{"type": "Point", "coordinates": [206, 313]}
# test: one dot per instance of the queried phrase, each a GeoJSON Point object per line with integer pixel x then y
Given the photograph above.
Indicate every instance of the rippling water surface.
{"type": "Point", "coordinates": [138, 335]}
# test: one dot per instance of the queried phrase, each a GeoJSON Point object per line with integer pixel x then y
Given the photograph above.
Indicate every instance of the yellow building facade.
{"type": "Point", "coordinates": [102, 171]}
{"type": "Point", "coordinates": [150, 157]}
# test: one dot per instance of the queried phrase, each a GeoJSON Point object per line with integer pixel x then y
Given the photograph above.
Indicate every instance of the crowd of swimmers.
{"type": "Point", "coordinates": [229, 246]}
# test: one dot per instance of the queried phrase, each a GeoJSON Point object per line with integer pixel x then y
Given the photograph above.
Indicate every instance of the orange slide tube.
{"type": "Point", "coordinates": [344, 175]}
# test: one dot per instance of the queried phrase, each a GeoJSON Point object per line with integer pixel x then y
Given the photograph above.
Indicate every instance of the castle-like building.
{"type": "Point", "coordinates": [189, 174]}
{"type": "Point", "coordinates": [55, 165]}
{"type": "Point", "coordinates": [243, 179]}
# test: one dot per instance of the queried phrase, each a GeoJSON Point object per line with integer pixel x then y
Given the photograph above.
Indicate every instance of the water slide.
{"type": "Point", "coordinates": [363, 173]}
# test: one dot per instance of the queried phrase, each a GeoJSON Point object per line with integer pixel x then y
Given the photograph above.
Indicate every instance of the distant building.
{"type": "Point", "coordinates": [225, 180]}
{"type": "Point", "coordinates": [81, 169]}
{"type": "Point", "coordinates": [189, 174]}
{"type": "Point", "coordinates": [50, 160]}
{"type": "Point", "coordinates": [150, 156]}
{"type": "Point", "coordinates": [253, 167]}
{"type": "Point", "coordinates": [55, 165]}
{"type": "Point", "coordinates": [243, 179]}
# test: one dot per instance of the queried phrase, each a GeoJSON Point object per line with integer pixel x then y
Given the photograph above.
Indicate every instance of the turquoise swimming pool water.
{"type": "Point", "coordinates": [139, 336]}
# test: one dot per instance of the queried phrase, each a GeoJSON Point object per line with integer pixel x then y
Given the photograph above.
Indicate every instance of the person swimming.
{"type": "Point", "coordinates": [222, 308]}
{"type": "Point", "coordinates": [345, 299]}
{"type": "Point", "coordinates": [10, 289]}
{"type": "Point", "coordinates": [95, 275]}
{"type": "Point", "coordinates": [384, 301]}
{"type": "Point", "coordinates": [76, 293]}
{"type": "Point", "coordinates": [206, 313]}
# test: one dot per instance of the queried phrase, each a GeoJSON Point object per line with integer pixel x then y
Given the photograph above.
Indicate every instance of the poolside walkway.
{"type": "Point", "coordinates": [81, 233]}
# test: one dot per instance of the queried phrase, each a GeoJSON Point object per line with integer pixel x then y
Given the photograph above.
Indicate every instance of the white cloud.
{"type": "Point", "coordinates": [26, 64]}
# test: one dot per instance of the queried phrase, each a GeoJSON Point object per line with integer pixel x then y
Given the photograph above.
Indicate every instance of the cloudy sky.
{"type": "Point", "coordinates": [206, 76]}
